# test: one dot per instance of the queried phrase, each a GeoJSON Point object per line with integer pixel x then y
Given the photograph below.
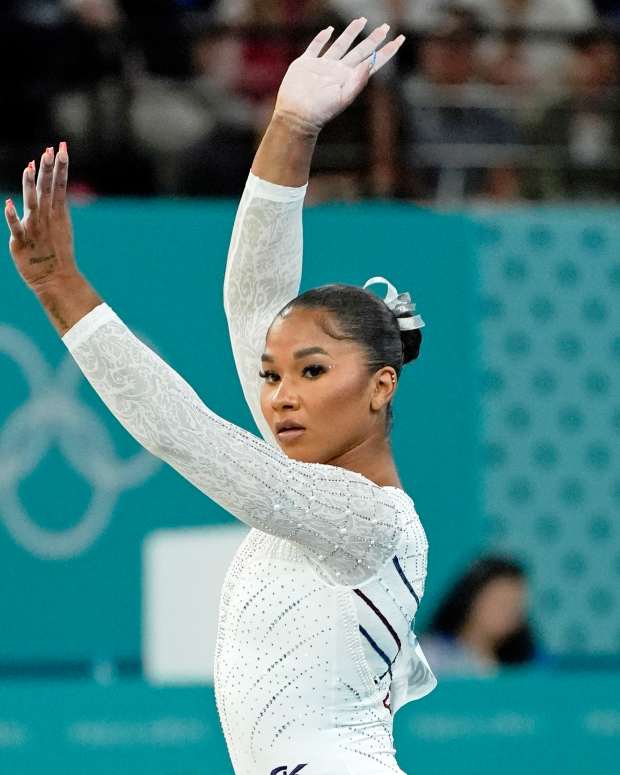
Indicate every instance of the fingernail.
{"type": "Point", "coordinates": [10, 206]}
{"type": "Point", "coordinates": [363, 19]}
{"type": "Point", "coordinates": [30, 170]}
{"type": "Point", "coordinates": [49, 152]}
{"type": "Point", "coordinates": [62, 151]}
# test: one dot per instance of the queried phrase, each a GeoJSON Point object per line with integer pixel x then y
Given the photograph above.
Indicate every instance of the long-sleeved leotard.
{"type": "Point", "coordinates": [317, 606]}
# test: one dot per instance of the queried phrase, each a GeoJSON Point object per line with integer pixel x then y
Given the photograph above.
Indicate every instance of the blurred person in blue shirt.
{"type": "Point", "coordinates": [481, 624]}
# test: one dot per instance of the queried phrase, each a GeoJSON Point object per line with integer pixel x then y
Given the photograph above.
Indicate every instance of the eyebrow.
{"type": "Point", "coordinates": [298, 354]}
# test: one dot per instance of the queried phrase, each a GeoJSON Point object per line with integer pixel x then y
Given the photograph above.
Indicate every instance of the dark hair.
{"type": "Point", "coordinates": [364, 318]}
{"type": "Point", "coordinates": [451, 615]}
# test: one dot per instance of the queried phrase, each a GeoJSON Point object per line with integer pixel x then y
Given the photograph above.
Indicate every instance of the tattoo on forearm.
{"type": "Point", "coordinates": [41, 259]}
{"type": "Point", "coordinates": [57, 315]}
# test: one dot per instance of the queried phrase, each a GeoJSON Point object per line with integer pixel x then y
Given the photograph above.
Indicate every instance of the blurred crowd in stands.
{"type": "Point", "coordinates": [488, 99]}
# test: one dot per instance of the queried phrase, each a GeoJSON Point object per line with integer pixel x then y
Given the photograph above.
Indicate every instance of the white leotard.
{"type": "Point", "coordinates": [315, 647]}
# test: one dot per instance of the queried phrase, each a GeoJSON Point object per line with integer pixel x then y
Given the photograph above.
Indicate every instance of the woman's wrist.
{"type": "Point", "coordinates": [67, 300]}
{"type": "Point", "coordinates": [285, 153]}
{"type": "Point", "coordinates": [295, 124]}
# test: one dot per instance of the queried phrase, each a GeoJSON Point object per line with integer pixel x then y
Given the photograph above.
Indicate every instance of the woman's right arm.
{"type": "Point", "coordinates": [263, 271]}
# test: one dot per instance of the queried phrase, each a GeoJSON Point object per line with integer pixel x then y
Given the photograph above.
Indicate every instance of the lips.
{"type": "Point", "coordinates": [287, 430]}
{"type": "Point", "coordinates": [288, 434]}
{"type": "Point", "coordinates": [288, 425]}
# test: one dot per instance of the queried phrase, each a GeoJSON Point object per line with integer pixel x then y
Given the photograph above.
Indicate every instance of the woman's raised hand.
{"type": "Point", "coordinates": [317, 87]}
{"type": "Point", "coordinates": [41, 242]}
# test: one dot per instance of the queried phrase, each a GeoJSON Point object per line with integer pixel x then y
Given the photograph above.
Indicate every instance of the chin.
{"type": "Point", "coordinates": [298, 454]}
{"type": "Point", "coordinates": [295, 452]}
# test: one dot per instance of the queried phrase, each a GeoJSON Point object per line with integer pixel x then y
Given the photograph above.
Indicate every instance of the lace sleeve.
{"type": "Point", "coordinates": [345, 522]}
{"type": "Point", "coordinates": [263, 273]}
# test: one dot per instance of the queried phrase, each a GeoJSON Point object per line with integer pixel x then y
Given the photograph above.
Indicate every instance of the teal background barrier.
{"type": "Point", "coordinates": [549, 323]}
{"type": "Point", "coordinates": [160, 265]}
{"type": "Point", "coordinates": [467, 726]}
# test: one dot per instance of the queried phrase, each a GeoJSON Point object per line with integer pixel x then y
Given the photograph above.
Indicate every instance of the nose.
{"type": "Point", "coordinates": [284, 398]}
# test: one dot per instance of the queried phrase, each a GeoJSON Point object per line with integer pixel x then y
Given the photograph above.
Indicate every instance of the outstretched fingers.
{"type": "Point", "coordinates": [367, 46]}
{"type": "Point", "coordinates": [61, 172]}
{"type": "Point", "coordinates": [342, 44]}
{"type": "Point", "coordinates": [18, 233]}
{"type": "Point", "coordinates": [383, 55]}
{"type": "Point", "coordinates": [316, 46]}
{"type": "Point", "coordinates": [29, 191]}
{"type": "Point", "coordinates": [361, 74]}
{"type": "Point", "coordinates": [44, 182]}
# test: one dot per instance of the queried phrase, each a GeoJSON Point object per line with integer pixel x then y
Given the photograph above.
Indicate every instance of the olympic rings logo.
{"type": "Point", "coordinates": [51, 413]}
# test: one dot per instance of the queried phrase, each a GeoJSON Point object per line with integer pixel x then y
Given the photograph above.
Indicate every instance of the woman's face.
{"type": "Point", "coordinates": [322, 384]}
{"type": "Point", "coordinates": [500, 607]}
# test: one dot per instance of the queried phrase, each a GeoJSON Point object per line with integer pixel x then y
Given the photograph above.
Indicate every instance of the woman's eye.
{"type": "Point", "coordinates": [271, 376]}
{"type": "Point", "coordinates": [267, 375]}
{"type": "Point", "coordinates": [315, 370]}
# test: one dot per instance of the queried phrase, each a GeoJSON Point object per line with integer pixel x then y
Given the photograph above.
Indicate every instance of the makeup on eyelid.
{"type": "Point", "coordinates": [322, 369]}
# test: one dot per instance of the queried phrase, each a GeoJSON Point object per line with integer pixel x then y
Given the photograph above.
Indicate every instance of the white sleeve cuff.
{"type": "Point", "coordinates": [87, 325]}
{"type": "Point", "coordinates": [274, 191]}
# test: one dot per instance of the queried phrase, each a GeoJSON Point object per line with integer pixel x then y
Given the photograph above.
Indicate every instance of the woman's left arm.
{"type": "Point", "coordinates": [345, 522]}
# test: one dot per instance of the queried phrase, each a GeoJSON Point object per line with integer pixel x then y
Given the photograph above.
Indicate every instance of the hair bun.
{"type": "Point", "coordinates": [411, 341]}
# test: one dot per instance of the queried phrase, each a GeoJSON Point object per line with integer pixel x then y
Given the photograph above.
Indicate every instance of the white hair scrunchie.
{"type": "Point", "coordinates": [399, 303]}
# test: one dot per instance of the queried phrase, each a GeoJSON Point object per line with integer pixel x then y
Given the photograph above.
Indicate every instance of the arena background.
{"type": "Point", "coordinates": [506, 434]}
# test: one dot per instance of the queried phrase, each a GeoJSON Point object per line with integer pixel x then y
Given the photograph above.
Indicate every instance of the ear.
{"type": "Point", "coordinates": [383, 388]}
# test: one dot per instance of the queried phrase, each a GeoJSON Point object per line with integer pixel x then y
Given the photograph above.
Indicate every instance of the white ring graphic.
{"type": "Point", "coordinates": [54, 413]}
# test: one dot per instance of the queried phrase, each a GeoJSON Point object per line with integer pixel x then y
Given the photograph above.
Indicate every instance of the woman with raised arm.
{"type": "Point", "coordinates": [316, 648]}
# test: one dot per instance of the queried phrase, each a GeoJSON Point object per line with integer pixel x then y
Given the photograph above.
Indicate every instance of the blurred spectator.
{"type": "Point", "coordinates": [458, 143]}
{"type": "Point", "coordinates": [481, 624]}
{"type": "Point", "coordinates": [579, 136]}
{"type": "Point", "coordinates": [509, 58]}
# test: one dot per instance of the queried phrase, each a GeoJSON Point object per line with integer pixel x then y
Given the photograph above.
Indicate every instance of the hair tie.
{"type": "Point", "coordinates": [399, 303]}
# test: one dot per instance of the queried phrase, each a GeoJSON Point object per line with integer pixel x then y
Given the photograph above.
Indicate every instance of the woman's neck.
{"type": "Point", "coordinates": [373, 459]}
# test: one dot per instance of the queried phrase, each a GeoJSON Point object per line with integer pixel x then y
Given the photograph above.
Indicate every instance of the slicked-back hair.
{"type": "Point", "coordinates": [358, 315]}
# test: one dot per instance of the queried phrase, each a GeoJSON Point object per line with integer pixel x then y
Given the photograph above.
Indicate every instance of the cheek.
{"type": "Point", "coordinates": [342, 400]}
{"type": "Point", "coordinates": [265, 400]}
